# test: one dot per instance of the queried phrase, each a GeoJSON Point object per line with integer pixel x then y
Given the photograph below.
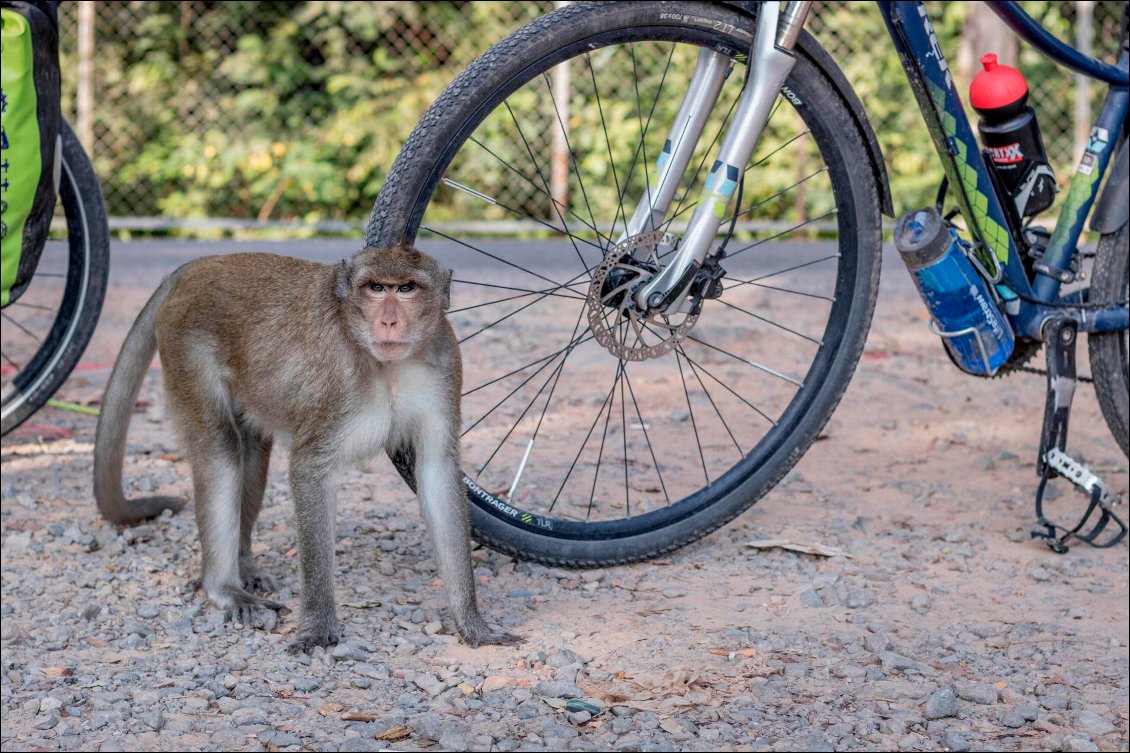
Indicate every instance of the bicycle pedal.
{"type": "Point", "coordinates": [1058, 462]}
{"type": "Point", "coordinates": [1078, 474]}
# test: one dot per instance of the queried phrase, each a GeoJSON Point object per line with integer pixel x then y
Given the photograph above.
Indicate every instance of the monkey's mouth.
{"type": "Point", "coordinates": [392, 350]}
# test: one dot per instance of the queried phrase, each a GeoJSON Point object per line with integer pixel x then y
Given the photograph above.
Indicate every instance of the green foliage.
{"type": "Point", "coordinates": [296, 110]}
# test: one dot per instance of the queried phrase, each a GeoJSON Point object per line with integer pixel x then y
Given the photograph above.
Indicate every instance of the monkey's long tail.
{"type": "Point", "coordinates": [117, 408]}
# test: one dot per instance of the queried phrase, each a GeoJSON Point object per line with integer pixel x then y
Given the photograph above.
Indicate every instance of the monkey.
{"type": "Point", "coordinates": [338, 362]}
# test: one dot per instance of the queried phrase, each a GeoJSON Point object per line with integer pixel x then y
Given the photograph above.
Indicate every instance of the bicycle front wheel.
{"type": "Point", "coordinates": [45, 332]}
{"type": "Point", "coordinates": [594, 440]}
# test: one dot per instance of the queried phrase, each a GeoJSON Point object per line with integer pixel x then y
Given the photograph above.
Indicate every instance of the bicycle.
{"type": "Point", "coordinates": [46, 331]}
{"type": "Point", "coordinates": [668, 311]}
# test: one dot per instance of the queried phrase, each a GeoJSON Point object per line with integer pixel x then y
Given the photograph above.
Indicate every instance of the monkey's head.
{"type": "Point", "coordinates": [394, 299]}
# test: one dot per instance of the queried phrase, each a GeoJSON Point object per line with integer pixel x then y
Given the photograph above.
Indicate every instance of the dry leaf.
{"type": "Point", "coordinates": [394, 733]}
{"type": "Point", "coordinates": [363, 604]}
{"type": "Point", "coordinates": [358, 716]}
{"type": "Point", "coordinates": [331, 707]}
{"type": "Point", "coordinates": [821, 550]}
{"type": "Point", "coordinates": [58, 671]}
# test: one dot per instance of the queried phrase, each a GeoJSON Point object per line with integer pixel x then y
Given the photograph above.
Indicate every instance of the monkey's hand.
{"type": "Point", "coordinates": [254, 611]}
{"type": "Point", "coordinates": [477, 633]}
{"type": "Point", "coordinates": [324, 632]}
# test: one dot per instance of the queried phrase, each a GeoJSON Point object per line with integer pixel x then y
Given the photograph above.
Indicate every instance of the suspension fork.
{"type": "Point", "coordinates": [771, 59]}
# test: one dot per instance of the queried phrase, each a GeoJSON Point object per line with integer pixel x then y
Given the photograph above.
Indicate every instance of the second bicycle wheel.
{"type": "Point", "coordinates": [44, 333]}
{"type": "Point", "coordinates": [590, 439]}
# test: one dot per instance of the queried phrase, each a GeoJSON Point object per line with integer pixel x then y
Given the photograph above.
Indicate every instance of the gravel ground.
{"type": "Point", "coordinates": [940, 627]}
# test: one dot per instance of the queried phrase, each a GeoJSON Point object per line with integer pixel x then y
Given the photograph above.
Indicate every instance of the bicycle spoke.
{"type": "Point", "coordinates": [509, 298]}
{"type": "Point", "coordinates": [607, 144]}
{"type": "Point", "coordinates": [584, 442]}
{"type": "Point", "coordinates": [781, 290]}
{"type": "Point", "coordinates": [490, 200]}
{"type": "Point", "coordinates": [643, 427]}
{"type": "Point", "coordinates": [603, 437]}
{"type": "Point", "coordinates": [556, 378]}
{"type": "Point", "coordinates": [7, 358]}
{"type": "Point", "coordinates": [567, 286]}
{"type": "Point", "coordinates": [624, 436]}
{"type": "Point", "coordinates": [728, 388]}
{"type": "Point", "coordinates": [779, 147]}
{"type": "Point", "coordinates": [770, 321]}
{"type": "Point", "coordinates": [783, 232]}
{"type": "Point", "coordinates": [717, 412]}
{"type": "Point", "coordinates": [580, 341]}
{"type": "Point", "coordinates": [802, 265]}
{"type": "Point", "coordinates": [25, 330]}
{"type": "Point", "coordinates": [569, 146]}
{"type": "Point", "coordinates": [747, 362]}
{"type": "Point", "coordinates": [780, 193]}
{"type": "Point", "coordinates": [557, 205]}
{"type": "Point", "coordinates": [639, 147]}
{"type": "Point", "coordinates": [521, 308]}
{"type": "Point", "coordinates": [557, 285]}
{"type": "Point", "coordinates": [694, 424]}
{"type": "Point", "coordinates": [32, 306]}
{"type": "Point", "coordinates": [639, 117]}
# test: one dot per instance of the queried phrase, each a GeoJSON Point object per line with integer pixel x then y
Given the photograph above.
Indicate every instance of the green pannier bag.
{"type": "Point", "coordinates": [31, 122]}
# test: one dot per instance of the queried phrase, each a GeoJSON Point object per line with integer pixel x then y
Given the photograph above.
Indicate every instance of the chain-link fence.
{"type": "Point", "coordinates": [294, 111]}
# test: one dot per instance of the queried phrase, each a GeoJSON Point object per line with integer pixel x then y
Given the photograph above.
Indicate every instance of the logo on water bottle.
{"type": "Point", "coordinates": [1006, 155]}
{"type": "Point", "coordinates": [987, 310]}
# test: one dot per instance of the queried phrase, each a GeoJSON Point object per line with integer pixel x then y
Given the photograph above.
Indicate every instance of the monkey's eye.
{"type": "Point", "coordinates": [407, 287]}
{"type": "Point", "coordinates": [376, 287]}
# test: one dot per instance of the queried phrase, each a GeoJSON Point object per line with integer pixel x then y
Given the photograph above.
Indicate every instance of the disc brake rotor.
{"type": "Point", "coordinates": [615, 321]}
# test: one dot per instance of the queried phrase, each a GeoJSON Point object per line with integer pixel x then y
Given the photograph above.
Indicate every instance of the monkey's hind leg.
{"type": "Point", "coordinates": [256, 457]}
{"type": "Point", "coordinates": [218, 481]}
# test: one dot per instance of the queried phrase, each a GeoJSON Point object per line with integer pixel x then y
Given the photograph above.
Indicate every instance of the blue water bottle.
{"type": "Point", "coordinates": [973, 329]}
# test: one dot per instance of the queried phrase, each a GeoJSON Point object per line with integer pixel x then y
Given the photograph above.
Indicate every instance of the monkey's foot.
{"type": "Point", "coordinates": [325, 633]}
{"type": "Point", "coordinates": [254, 579]}
{"type": "Point", "coordinates": [253, 611]}
{"type": "Point", "coordinates": [478, 633]}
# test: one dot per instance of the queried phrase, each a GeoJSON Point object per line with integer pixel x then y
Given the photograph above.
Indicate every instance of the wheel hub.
{"type": "Point", "coordinates": [617, 323]}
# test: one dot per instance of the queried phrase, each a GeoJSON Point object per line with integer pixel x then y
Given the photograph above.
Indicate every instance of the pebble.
{"type": "Point", "coordinates": [1094, 724]}
{"type": "Point", "coordinates": [984, 694]}
{"type": "Point", "coordinates": [941, 704]}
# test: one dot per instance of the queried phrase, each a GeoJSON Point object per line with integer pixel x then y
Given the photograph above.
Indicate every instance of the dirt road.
{"type": "Point", "coordinates": [941, 626]}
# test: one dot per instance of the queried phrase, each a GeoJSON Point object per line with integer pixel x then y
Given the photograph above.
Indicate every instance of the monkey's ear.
{"type": "Point", "coordinates": [445, 276]}
{"type": "Point", "coordinates": [341, 279]}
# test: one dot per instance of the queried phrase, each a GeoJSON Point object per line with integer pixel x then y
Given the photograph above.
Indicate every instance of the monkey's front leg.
{"type": "Point", "coordinates": [311, 483]}
{"type": "Point", "coordinates": [445, 508]}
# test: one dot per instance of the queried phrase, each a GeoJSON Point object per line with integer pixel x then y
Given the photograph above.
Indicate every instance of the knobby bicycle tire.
{"type": "Point", "coordinates": [525, 54]}
{"type": "Point", "coordinates": [1110, 281]}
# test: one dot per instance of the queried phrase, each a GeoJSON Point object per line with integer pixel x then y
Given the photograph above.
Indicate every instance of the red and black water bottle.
{"type": "Point", "coordinates": [1011, 136]}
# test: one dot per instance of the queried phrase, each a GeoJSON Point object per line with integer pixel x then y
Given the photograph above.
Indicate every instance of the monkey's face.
{"type": "Point", "coordinates": [396, 298]}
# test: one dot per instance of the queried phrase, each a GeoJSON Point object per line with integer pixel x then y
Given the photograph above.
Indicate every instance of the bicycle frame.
{"type": "Point", "coordinates": [1028, 304]}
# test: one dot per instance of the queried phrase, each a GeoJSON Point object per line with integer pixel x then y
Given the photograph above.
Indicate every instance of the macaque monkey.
{"type": "Point", "coordinates": [339, 362]}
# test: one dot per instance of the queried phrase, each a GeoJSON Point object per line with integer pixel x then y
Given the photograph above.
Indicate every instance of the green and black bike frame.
{"type": "Point", "coordinates": [1028, 301]}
